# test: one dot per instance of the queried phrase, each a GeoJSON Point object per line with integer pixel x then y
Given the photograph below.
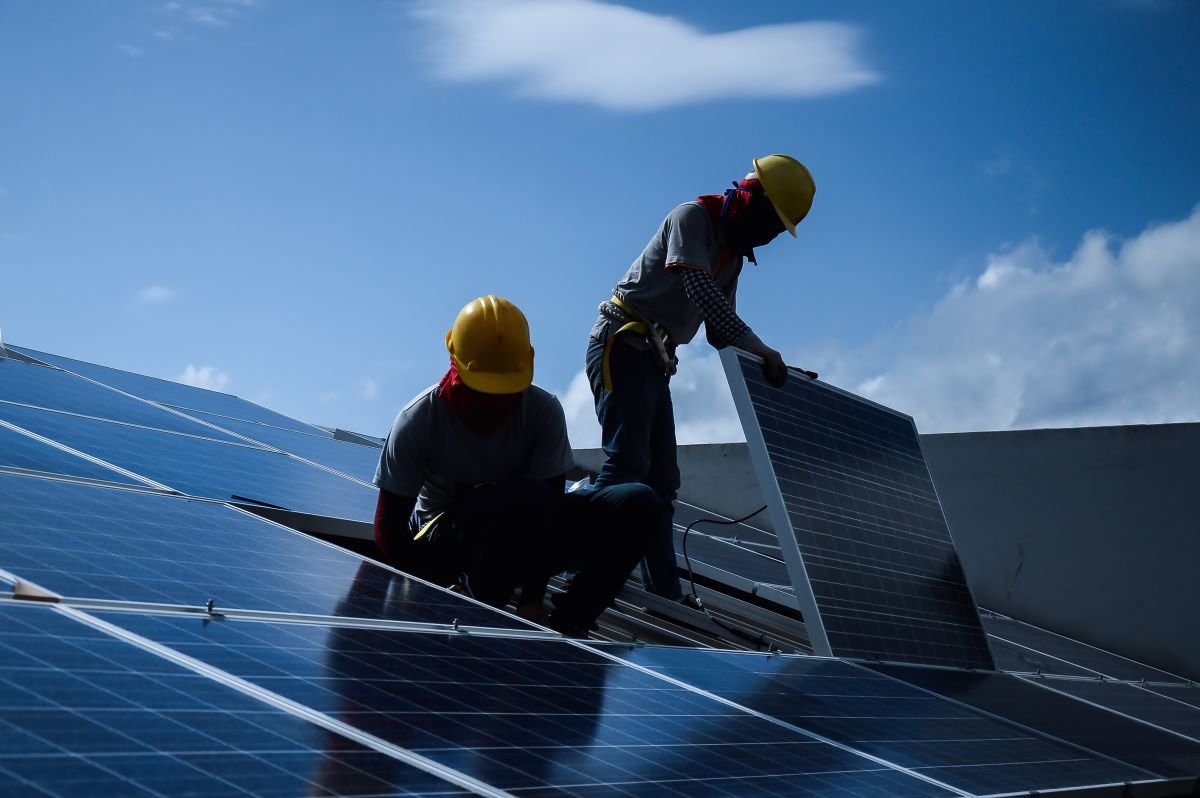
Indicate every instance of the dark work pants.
{"type": "Point", "coordinates": [637, 423]}
{"type": "Point", "coordinates": [521, 533]}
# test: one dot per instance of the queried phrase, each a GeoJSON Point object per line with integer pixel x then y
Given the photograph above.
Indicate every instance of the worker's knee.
{"type": "Point", "coordinates": [634, 510]}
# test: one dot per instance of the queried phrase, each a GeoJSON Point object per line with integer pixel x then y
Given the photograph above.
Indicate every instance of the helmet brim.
{"type": "Point", "coordinates": [493, 383]}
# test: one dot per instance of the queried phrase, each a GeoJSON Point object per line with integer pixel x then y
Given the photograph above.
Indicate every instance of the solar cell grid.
{"type": "Point", "coordinates": [91, 542]}
{"type": "Point", "coordinates": [18, 450]}
{"type": "Point", "coordinates": [1059, 716]}
{"type": "Point", "coordinates": [170, 393]}
{"type": "Point", "coordinates": [349, 458]}
{"type": "Point", "coordinates": [85, 714]}
{"type": "Point", "coordinates": [854, 488]}
{"type": "Point", "coordinates": [50, 388]}
{"type": "Point", "coordinates": [204, 467]}
{"type": "Point", "coordinates": [531, 716]}
{"type": "Point", "coordinates": [888, 719]}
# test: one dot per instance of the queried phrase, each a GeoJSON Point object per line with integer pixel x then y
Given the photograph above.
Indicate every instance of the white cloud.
{"type": "Point", "coordinates": [205, 16]}
{"type": "Point", "coordinates": [166, 34]}
{"type": "Point", "coordinates": [1108, 336]}
{"type": "Point", "coordinates": [155, 293]}
{"type": "Point", "coordinates": [130, 50]}
{"type": "Point", "coordinates": [217, 14]}
{"type": "Point", "coordinates": [204, 377]}
{"type": "Point", "coordinates": [368, 389]}
{"type": "Point", "coordinates": [622, 58]}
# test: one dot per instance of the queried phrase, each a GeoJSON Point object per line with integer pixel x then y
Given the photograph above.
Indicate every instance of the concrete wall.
{"type": "Point", "coordinates": [1090, 532]}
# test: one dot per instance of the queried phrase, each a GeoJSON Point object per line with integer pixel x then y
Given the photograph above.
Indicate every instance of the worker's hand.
{"type": "Point", "coordinates": [774, 369]}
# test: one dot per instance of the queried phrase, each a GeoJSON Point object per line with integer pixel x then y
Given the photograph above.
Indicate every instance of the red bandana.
{"type": "Point", "coordinates": [482, 412]}
{"type": "Point", "coordinates": [745, 218]}
{"type": "Point", "coordinates": [737, 199]}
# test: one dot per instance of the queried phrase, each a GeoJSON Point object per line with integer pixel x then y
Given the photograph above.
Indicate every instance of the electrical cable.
{"type": "Point", "coordinates": [759, 639]}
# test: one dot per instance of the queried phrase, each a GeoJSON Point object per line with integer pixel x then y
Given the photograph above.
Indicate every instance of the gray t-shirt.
{"type": "Point", "coordinates": [689, 236]}
{"type": "Point", "coordinates": [430, 452]}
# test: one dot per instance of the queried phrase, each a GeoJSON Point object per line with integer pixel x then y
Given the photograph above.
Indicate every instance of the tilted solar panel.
{"type": "Point", "coordinates": [50, 388]}
{"type": "Point", "coordinates": [873, 563]}
{"type": "Point", "coordinates": [101, 543]}
{"type": "Point", "coordinates": [1059, 716]}
{"type": "Point", "coordinates": [889, 719]}
{"type": "Point", "coordinates": [18, 450]}
{"type": "Point", "coordinates": [170, 393]}
{"type": "Point", "coordinates": [357, 460]}
{"type": "Point", "coordinates": [536, 716]}
{"type": "Point", "coordinates": [204, 467]}
{"type": "Point", "coordinates": [85, 714]}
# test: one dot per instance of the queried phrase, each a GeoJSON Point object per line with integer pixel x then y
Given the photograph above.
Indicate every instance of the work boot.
{"type": "Point", "coordinates": [567, 626]}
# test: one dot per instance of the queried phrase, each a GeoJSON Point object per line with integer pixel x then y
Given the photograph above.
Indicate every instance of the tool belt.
{"type": "Point", "coordinates": [621, 312]}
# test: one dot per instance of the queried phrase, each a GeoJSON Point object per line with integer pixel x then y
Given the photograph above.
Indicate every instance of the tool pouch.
{"type": "Point", "coordinates": [632, 322]}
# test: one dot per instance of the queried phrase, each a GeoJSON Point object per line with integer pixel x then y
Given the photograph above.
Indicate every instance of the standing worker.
{"type": "Point", "coordinates": [471, 484]}
{"type": "Point", "coordinates": [687, 274]}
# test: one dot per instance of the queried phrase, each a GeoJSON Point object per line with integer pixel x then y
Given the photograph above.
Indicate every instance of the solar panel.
{"type": "Point", "coordinates": [736, 559]}
{"type": "Point", "coordinates": [101, 543]}
{"type": "Point", "coordinates": [532, 716]}
{"type": "Point", "coordinates": [170, 393]}
{"type": "Point", "coordinates": [1059, 716]}
{"type": "Point", "coordinates": [1052, 652]}
{"type": "Point", "coordinates": [1134, 701]}
{"type": "Point", "coordinates": [203, 467]}
{"type": "Point", "coordinates": [18, 450]}
{"type": "Point", "coordinates": [42, 386]}
{"type": "Point", "coordinates": [1013, 658]}
{"type": "Point", "coordinates": [1188, 694]}
{"type": "Point", "coordinates": [739, 549]}
{"type": "Point", "coordinates": [85, 714]}
{"type": "Point", "coordinates": [889, 719]}
{"type": "Point", "coordinates": [860, 525]}
{"type": "Point", "coordinates": [357, 460]}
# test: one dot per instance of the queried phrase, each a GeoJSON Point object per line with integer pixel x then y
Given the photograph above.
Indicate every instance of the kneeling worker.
{"type": "Point", "coordinates": [471, 483]}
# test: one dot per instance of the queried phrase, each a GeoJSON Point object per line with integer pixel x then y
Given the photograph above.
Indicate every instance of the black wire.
{"type": "Point", "coordinates": [760, 639]}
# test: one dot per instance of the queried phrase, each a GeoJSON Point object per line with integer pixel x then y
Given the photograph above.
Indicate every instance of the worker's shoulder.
{"type": "Point", "coordinates": [688, 217]}
{"type": "Point", "coordinates": [690, 210]}
{"type": "Point", "coordinates": [420, 404]}
{"type": "Point", "coordinates": [539, 399]}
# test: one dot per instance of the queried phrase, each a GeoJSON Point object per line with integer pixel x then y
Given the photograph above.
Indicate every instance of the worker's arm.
{"type": "Point", "coordinates": [724, 327]}
{"type": "Point", "coordinates": [392, 512]}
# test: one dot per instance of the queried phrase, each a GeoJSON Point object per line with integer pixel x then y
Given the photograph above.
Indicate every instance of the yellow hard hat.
{"type": "Point", "coordinates": [489, 344]}
{"type": "Point", "coordinates": [788, 185]}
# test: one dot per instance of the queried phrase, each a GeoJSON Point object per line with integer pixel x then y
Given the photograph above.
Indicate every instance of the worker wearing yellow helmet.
{"type": "Point", "coordinates": [471, 484]}
{"type": "Point", "coordinates": [687, 274]}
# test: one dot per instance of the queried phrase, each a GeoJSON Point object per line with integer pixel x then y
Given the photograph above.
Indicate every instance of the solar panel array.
{"type": "Point", "coordinates": [863, 533]}
{"type": "Point", "coordinates": [195, 648]}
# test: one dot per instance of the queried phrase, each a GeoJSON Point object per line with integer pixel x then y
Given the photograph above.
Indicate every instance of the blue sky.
{"type": "Point", "coordinates": [290, 200]}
